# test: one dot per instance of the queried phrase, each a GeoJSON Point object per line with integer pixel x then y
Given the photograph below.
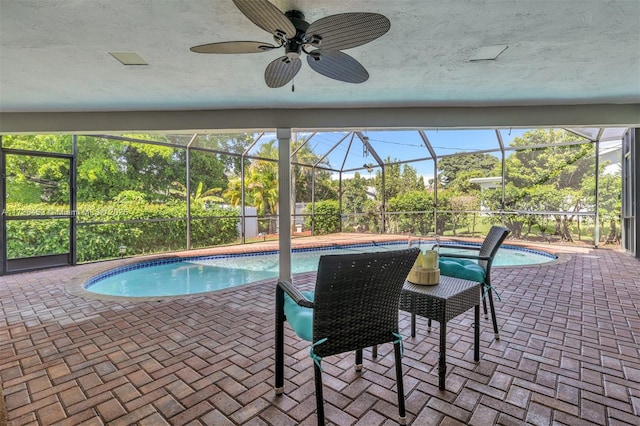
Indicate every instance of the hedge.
{"type": "Point", "coordinates": [215, 225]}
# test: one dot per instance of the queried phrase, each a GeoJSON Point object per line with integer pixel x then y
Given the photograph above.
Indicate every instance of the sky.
{"type": "Point", "coordinates": [405, 145]}
{"type": "Point", "coordinates": [345, 151]}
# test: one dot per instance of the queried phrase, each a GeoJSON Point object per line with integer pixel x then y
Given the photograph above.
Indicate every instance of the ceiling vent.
{"type": "Point", "coordinates": [128, 58]}
{"type": "Point", "coordinates": [489, 53]}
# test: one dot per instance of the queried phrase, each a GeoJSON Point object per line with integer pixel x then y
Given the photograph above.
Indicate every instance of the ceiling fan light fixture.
{"type": "Point", "coordinates": [315, 40]}
{"type": "Point", "coordinates": [315, 55]}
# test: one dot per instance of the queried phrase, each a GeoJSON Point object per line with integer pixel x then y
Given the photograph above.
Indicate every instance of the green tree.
{"type": "Point", "coordinates": [101, 169]}
{"type": "Point", "coordinates": [462, 183]}
{"type": "Point", "coordinates": [556, 172]}
{"type": "Point", "coordinates": [108, 166]}
{"type": "Point", "coordinates": [262, 184]}
{"type": "Point", "coordinates": [354, 203]}
{"type": "Point", "coordinates": [546, 179]}
{"type": "Point", "coordinates": [302, 158]}
{"type": "Point", "coordinates": [449, 168]}
{"type": "Point", "coordinates": [609, 203]}
{"type": "Point", "coordinates": [302, 174]}
{"type": "Point", "coordinates": [146, 167]}
{"type": "Point", "coordinates": [325, 188]}
{"type": "Point", "coordinates": [206, 167]}
{"type": "Point", "coordinates": [462, 207]}
{"type": "Point", "coordinates": [232, 143]}
{"type": "Point", "coordinates": [397, 179]}
{"type": "Point", "coordinates": [410, 180]}
{"type": "Point", "coordinates": [233, 193]}
{"type": "Point", "coordinates": [414, 210]}
{"type": "Point", "coordinates": [393, 184]}
{"type": "Point", "coordinates": [35, 178]}
{"type": "Point", "coordinates": [444, 217]}
{"type": "Point", "coordinates": [354, 193]}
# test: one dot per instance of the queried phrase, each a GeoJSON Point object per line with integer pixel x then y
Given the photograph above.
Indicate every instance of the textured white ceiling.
{"type": "Point", "coordinates": [54, 55]}
{"type": "Point", "coordinates": [569, 62]}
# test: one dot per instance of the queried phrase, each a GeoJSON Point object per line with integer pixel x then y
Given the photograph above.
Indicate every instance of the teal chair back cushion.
{"type": "Point", "coordinates": [461, 268]}
{"type": "Point", "coordinates": [300, 318]}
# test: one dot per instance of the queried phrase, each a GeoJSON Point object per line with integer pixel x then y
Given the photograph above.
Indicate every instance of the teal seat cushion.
{"type": "Point", "coordinates": [299, 317]}
{"type": "Point", "coordinates": [461, 268]}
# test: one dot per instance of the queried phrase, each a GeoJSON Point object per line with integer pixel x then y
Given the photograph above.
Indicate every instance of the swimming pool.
{"type": "Point", "coordinates": [183, 276]}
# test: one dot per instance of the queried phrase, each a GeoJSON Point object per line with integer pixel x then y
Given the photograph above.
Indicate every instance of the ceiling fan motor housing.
{"type": "Point", "coordinates": [293, 46]}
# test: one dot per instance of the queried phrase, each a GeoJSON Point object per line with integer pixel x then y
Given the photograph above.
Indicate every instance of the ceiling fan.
{"type": "Point", "coordinates": [322, 41]}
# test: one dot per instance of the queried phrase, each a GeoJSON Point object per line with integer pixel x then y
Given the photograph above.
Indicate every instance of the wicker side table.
{"type": "Point", "coordinates": [442, 302]}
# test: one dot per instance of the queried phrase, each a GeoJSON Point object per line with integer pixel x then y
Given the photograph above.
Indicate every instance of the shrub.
{"type": "Point", "coordinates": [155, 228]}
{"type": "Point", "coordinates": [327, 217]}
{"type": "Point", "coordinates": [411, 207]}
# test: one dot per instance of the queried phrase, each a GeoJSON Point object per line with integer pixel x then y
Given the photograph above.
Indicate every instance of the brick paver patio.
{"type": "Point", "coordinates": [569, 354]}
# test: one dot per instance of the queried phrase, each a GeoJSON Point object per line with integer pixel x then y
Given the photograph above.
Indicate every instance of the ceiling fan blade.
{"type": "Point", "coordinates": [266, 16]}
{"type": "Point", "coordinates": [233, 47]}
{"type": "Point", "coordinates": [280, 72]}
{"type": "Point", "coordinates": [338, 65]}
{"type": "Point", "coordinates": [346, 30]}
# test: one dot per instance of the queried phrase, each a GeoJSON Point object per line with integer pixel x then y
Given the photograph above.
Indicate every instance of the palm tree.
{"type": "Point", "coordinates": [200, 196]}
{"type": "Point", "coordinates": [233, 194]}
{"type": "Point", "coordinates": [262, 183]}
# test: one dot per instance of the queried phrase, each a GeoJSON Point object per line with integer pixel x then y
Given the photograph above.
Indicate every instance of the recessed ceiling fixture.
{"type": "Point", "coordinates": [322, 41]}
{"type": "Point", "coordinates": [489, 53]}
{"type": "Point", "coordinates": [128, 58]}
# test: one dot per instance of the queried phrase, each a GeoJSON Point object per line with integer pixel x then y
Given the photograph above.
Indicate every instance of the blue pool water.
{"type": "Point", "coordinates": [181, 276]}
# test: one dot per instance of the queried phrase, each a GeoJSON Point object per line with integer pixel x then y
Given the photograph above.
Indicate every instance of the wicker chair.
{"type": "Point", "coordinates": [477, 267]}
{"type": "Point", "coordinates": [354, 306]}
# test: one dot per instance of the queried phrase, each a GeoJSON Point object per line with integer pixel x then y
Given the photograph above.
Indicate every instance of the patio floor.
{"type": "Point", "coordinates": [569, 354]}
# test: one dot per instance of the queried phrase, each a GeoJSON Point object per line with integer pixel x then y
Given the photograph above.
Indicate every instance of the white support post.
{"type": "Point", "coordinates": [284, 202]}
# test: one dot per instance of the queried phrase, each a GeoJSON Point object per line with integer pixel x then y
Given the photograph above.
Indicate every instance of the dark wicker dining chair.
{"type": "Point", "coordinates": [476, 267]}
{"type": "Point", "coordinates": [354, 306]}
